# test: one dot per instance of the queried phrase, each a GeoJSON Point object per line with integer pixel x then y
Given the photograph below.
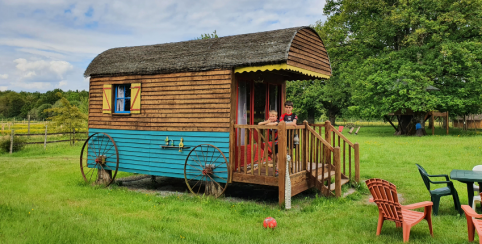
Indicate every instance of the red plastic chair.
{"type": "Point", "coordinates": [474, 222]}
{"type": "Point", "coordinates": [340, 129]}
{"type": "Point", "coordinates": [385, 196]}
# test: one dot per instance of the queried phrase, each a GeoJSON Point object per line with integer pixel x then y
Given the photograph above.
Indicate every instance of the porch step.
{"type": "Point", "coordinates": [343, 181]}
{"type": "Point", "coordinates": [325, 175]}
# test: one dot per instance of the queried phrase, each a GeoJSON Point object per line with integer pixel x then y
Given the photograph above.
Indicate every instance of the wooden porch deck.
{"type": "Point", "coordinates": [316, 160]}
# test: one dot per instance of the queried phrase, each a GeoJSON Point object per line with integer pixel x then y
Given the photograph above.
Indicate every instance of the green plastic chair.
{"type": "Point", "coordinates": [436, 194]}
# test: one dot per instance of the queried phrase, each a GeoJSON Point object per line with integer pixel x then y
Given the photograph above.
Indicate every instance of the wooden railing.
{"type": "Point", "coordinates": [350, 152]}
{"type": "Point", "coordinates": [254, 150]}
{"type": "Point", "coordinates": [347, 153]}
{"type": "Point", "coordinates": [312, 148]}
{"type": "Point", "coordinates": [325, 162]}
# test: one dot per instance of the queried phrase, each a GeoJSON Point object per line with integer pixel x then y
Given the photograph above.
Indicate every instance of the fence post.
{"type": "Point", "coordinates": [3, 128]}
{"type": "Point", "coordinates": [282, 142]}
{"type": "Point", "coordinates": [357, 162]}
{"type": "Point", "coordinates": [74, 137]}
{"type": "Point", "coordinates": [11, 141]}
{"type": "Point", "coordinates": [28, 125]}
{"type": "Point", "coordinates": [45, 138]}
{"type": "Point", "coordinates": [336, 161]}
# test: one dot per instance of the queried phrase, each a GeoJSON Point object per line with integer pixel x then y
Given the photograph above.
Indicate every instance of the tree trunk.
{"type": "Point", "coordinates": [430, 123]}
{"type": "Point", "coordinates": [332, 118]}
{"type": "Point", "coordinates": [406, 124]}
{"type": "Point", "coordinates": [311, 117]}
{"type": "Point", "coordinates": [420, 118]}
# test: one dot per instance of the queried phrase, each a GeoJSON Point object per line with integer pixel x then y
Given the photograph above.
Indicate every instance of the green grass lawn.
{"type": "Point", "coordinates": [43, 199]}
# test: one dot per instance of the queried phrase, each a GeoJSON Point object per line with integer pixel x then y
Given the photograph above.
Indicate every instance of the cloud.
{"type": "Point", "coordinates": [3, 88]}
{"type": "Point", "coordinates": [62, 83]}
{"type": "Point", "coordinates": [43, 68]}
{"type": "Point", "coordinates": [4, 76]}
{"type": "Point", "coordinates": [54, 40]}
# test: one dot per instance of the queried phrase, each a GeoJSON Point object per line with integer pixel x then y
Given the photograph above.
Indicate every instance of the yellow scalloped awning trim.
{"type": "Point", "coordinates": [271, 67]}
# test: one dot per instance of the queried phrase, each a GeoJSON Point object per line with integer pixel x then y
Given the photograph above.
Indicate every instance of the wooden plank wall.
{"type": "Point", "coordinates": [190, 101]}
{"type": "Point", "coordinates": [308, 52]}
{"type": "Point", "coordinates": [141, 151]}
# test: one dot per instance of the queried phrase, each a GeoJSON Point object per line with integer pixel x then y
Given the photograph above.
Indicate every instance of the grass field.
{"type": "Point", "coordinates": [44, 200]}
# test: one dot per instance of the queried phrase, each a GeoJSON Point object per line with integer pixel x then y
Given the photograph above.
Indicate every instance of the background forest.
{"type": "Point", "coordinates": [19, 105]}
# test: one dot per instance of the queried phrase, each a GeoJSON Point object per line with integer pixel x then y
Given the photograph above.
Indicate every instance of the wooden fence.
{"type": "Point", "coordinates": [72, 138]}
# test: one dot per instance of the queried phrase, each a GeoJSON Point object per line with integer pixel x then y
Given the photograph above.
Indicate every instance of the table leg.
{"type": "Point", "coordinates": [470, 190]}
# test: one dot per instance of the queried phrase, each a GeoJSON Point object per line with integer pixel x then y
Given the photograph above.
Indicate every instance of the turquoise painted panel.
{"type": "Point", "coordinates": [141, 151]}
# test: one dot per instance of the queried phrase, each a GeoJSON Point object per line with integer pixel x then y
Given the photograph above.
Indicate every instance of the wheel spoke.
{"type": "Point", "coordinates": [217, 159]}
{"type": "Point", "coordinates": [195, 167]}
{"type": "Point", "coordinates": [199, 159]}
{"type": "Point", "coordinates": [219, 177]}
{"type": "Point", "coordinates": [91, 147]}
{"type": "Point", "coordinates": [212, 156]}
{"type": "Point", "coordinates": [108, 149]}
{"type": "Point", "coordinates": [201, 185]}
{"type": "Point", "coordinates": [195, 177]}
{"type": "Point", "coordinates": [194, 186]}
{"type": "Point", "coordinates": [198, 162]}
{"type": "Point", "coordinates": [90, 179]}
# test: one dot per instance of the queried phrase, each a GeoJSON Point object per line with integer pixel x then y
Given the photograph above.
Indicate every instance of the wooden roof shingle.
{"type": "Point", "coordinates": [262, 48]}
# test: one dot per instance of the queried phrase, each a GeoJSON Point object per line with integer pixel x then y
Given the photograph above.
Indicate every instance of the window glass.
{"type": "Point", "coordinates": [122, 99]}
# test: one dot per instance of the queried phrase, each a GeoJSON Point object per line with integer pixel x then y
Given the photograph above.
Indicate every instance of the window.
{"type": "Point", "coordinates": [122, 99]}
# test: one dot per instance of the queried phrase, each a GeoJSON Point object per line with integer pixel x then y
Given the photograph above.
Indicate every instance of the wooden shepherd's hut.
{"type": "Point", "coordinates": [206, 92]}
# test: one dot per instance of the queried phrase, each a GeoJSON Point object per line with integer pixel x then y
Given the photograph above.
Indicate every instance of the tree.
{"type": "Point", "coordinates": [306, 97]}
{"type": "Point", "coordinates": [394, 50]}
{"type": "Point", "coordinates": [67, 115]}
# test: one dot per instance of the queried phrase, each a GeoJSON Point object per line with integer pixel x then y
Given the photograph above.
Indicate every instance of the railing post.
{"type": "Point", "coordinates": [356, 148]}
{"type": "Point", "coordinates": [328, 139]}
{"type": "Point", "coordinates": [337, 163]}
{"type": "Point", "coordinates": [282, 143]}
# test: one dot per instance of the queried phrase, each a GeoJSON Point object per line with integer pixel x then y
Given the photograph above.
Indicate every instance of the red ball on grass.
{"type": "Point", "coordinates": [269, 223]}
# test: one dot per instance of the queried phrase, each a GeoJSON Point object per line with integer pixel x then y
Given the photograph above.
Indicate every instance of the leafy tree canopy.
{"type": "Point", "coordinates": [67, 115]}
{"type": "Point", "coordinates": [391, 51]}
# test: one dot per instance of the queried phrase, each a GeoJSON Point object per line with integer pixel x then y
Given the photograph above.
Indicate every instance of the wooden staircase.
{"type": "Point", "coordinates": [326, 175]}
{"type": "Point", "coordinates": [329, 161]}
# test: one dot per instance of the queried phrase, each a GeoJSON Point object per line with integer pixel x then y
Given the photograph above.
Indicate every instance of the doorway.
{"type": "Point", "coordinates": [254, 101]}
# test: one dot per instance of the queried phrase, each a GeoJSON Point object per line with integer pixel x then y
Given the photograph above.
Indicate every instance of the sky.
{"type": "Point", "coordinates": [48, 44]}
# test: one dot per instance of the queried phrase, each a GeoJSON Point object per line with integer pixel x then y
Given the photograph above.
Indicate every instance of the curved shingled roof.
{"type": "Point", "coordinates": [262, 48]}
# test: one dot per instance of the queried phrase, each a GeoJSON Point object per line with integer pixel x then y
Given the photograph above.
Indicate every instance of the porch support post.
{"type": "Point", "coordinates": [328, 139]}
{"type": "Point", "coordinates": [282, 143]}
{"type": "Point", "coordinates": [232, 147]}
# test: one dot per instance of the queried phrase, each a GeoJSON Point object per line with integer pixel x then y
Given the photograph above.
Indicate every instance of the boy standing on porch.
{"type": "Point", "coordinates": [289, 117]}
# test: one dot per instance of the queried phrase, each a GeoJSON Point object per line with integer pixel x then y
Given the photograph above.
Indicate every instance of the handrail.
{"type": "Point", "coordinates": [256, 126]}
{"type": "Point", "coordinates": [322, 124]}
{"type": "Point", "coordinates": [342, 136]}
{"type": "Point", "coordinates": [267, 126]}
{"type": "Point", "coordinates": [313, 132]}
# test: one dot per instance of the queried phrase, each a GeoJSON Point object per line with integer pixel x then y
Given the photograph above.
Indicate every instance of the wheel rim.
{"type": "Point", "coordinates": [206, 167]}
{"type": "Point", "coordinates": [99, 152]}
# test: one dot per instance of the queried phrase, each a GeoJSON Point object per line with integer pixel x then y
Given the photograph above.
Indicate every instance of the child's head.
{"type": "Point", "coordinates": [288, 107]}
{"type": "Point", "coordinates": [273, 115]}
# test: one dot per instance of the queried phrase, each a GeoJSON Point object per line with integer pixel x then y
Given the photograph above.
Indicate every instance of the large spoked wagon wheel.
{"type": "Point", "coordinates": [99, 159]}
{"type": "Point", "coordinates": [206, 170]}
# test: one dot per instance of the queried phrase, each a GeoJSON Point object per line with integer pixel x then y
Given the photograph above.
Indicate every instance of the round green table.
{"type": "Point", "coordinates": [468, 177]}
